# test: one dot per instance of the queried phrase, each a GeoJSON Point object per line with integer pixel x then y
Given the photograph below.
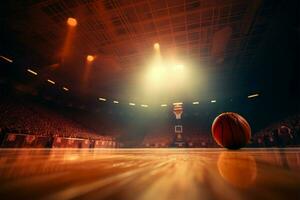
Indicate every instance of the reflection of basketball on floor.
{"type": "Point", "coordinates": [237, 169]}
{"type": "Point", "coordinates": [231, 130]}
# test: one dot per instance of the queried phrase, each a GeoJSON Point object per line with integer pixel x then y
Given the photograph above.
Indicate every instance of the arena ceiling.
{"type": "Point", "coordinates": [216, 34]}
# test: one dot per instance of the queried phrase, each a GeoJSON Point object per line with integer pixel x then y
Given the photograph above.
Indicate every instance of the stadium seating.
{"type": "Point", "coordinates": [21, 120]}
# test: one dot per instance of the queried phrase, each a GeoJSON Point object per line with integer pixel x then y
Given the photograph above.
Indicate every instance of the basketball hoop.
{"type": "Point", "coordinates": [178, 110]}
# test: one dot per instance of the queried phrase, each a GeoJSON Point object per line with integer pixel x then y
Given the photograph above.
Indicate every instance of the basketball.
{"type": "Point", "coordinates": [230, 130]}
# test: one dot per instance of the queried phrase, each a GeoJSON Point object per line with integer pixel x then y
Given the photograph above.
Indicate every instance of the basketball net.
{"type": "Point", "coordinates": [178, 110]}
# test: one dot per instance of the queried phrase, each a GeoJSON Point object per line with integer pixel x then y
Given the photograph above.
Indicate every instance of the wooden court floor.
{"type": "Point", "coordinates": [149, 174]}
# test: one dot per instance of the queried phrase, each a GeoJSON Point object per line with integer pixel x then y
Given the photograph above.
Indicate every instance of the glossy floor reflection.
{"type": "Point", "coordinates": [149, 174]}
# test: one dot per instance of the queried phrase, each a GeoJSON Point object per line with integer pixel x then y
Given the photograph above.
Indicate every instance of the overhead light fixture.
{"type": "Point", "coordinates": [163, 105]}
{"type": "Point", "coordinates": [156, 46]}
{"type": "Point", "coordinates": [6, 59]}
{"type": "Point", "coordinates": [253, 95]}
{"type": "Point", "coordinates": [72, 21]}
{"type": "Point", "coordinates": [177, 103]}
{"type": "Point", "coordinates": [101, 99]}
{"type": "Point", "coordinates": [50, 81]}
{"type": "Point", "coordinates": [144, 105]}
{"type": "Point", "coordinates": [90, 58]}
{"type": "Point", "coordinates": [132, 104]}
{"type": "Point", "coordinates": [65, 89]}
{"type": "Point", "coordinates": [115, 102]}
{"type": "Point", "coordinates": [32, 72]}
{"type": "Point", "coordinates": [196, 102]}
{"type": "Point", "coordinates": [213, 101]}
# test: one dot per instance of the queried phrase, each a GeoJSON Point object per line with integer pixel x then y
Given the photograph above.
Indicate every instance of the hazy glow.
{"type": "Point", "coordinates": [90, 58]}
{"type": "Point", "coordinates": [50, 81]}
{"type": "Point", "coordinates": [32, 72]}
{"type": "Point", "coordinates": [101, 99]}
{"type": "Point", "coordinates": [178, 67]}
{"type": "Point", "coordinates": [253, 95]}
{"type": "Point", "coordinates": [72, 21]}
{"type": "Point", "coordinates": [115, 102]}
{"type": "Point", "coordinates": [132, 104]}
{"type": "Point", "coordinates": [7, 59]}
{"type": "Point", "coordinates": [167, 77]}
{"type": "Point", "coordinates": [156, 46]}
{"type": "Point", "coordinates": [66, 89]}
{"type": "Point", "coordinates": [196, 102]}
{"type": "Point", "coordinates": [213, 101]}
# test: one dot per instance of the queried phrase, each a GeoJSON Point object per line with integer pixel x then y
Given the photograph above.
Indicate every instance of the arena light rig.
{"type": "Point", "coordinates": [6, 59]}
{"type": "Point", "coordinates": [72, 22]}
{"type": "Point", "coordinates": [32, 72]}
{"type": "Point", "coordinates": [253, 96]}
{"type": "Point", "coordinates": [101, 99]}
{"type": "Point", "coordinates": [50, 81]}
{"type": "Point", "coordinates": [65, 89]}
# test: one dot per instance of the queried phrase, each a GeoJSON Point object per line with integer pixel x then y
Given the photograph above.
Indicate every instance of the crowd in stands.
{"type": "Point", "coordinates": [25, 117]}
{"type": "Point", "coordinates": [158, 138]}
{"type": "Point", "coordinates": [199, 139]}
{"type": "Point", "coordinates": [281, 134]}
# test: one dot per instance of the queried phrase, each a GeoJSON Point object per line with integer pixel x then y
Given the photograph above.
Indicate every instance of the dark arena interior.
{"type": "Point", "coordinates": [150, 99]}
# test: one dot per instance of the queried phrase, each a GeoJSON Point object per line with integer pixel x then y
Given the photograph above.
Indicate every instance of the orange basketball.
{"type": "Point", "coordinates": [231, 130]}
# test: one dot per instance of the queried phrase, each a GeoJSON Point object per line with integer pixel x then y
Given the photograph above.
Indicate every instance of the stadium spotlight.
{"type": "Point", "coordinates": [90, 58]}
{"type": "Point", "coordinates": [196, 102]}
{"type": "Point", "coordinates": [156, 46]}
{"type": "Point", "coordinates": [213, 101]}
{"type": "Point", "coordinates": [101, 99]}
{"type": "Point", "coordinates": [163, 105]}
{"type": "Point", "coordinates": [253, 95]}
{"type": "Point", "coordinates": [115, 102]}
{"type": "Point", "coordinates": [50, 81]}
{"type": "Point", "coordinates": [72, 22]}
{"type": "Point", "coordinates": [132, 104]}
{"type": "Point", "coordinates": [65, 89]}
{"type": "Point", "coordinates": [144, 105]}
{"type": "Point", "coordinates": [32, 72]}
{"type": "Point", "coordinates": [6, 59]}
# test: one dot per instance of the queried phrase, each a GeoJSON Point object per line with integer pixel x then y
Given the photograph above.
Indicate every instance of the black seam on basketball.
{"type": "Point", "coordinates": [236, 132]}
{"type": "Point", "coordinates": [231, 130]}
